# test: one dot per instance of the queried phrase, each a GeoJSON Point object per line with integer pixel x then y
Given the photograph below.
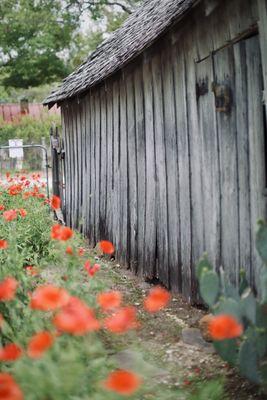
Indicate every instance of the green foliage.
{"type": "Point", "coordinates": [248, 353]}
{"type": "Point", "coordinates": [75, 366]}
{"type": "Point", "coordinates": [31, 130]}
{"type": "Point", "coordinates": [210, 391]}
{"type": "Point", "coordinates": [83, 45]}
{"type": "Point", "coordinates": [98, 8]}
{"type": "Point", "coordinates": [32, 36]}
{"type": "Point", "coordinates": [33, 94]}
{"type": "Point", "coordinates": [209, 287]}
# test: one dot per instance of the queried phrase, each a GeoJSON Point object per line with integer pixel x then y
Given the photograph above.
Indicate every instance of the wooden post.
{"type": "Point", "coordinates": [262, 6]}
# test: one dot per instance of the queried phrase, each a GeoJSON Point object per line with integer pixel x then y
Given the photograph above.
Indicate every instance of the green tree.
{"type": "Point", "coordinates": [41, 41]}
{"type": "Point", "coordinates": [34, 34]}
{"type": "Point", "coordinates": [97, 7]}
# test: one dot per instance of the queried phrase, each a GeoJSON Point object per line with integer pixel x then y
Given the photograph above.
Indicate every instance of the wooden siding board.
{"type": "Point", "coordinates": [184, 168]}
{"type": "Point", "coordinates": [210, 200]}
{"type": "Point", "coordinates": [103, 164]}
{"type": "Point", "coordinates": [226, 122]}
{"type": "Point", "coordinates": [241, 14]}
{"type": "Point", "coordinates": [76, 136]}
{"type": "Point", "coordinates": [110, 168]}
{"type": "Point", "coordinates": [92, 213]}
{"type": "Point", "coordinates": [132, 172]}
{"type": "Point", "coordinates": [171, 170]}
{"type": "Point", "coordinates": [150, 157]}
{"type": "Point", "coordinates": [161, 187]}
{"type": "Point", "coordinates": [262, 6]}
{"type": "Point", "coordinates": [141, 167]}
{"type": "Point", "coordinates": [196, 165]}
{"type": "Point", "coordinates": [241, 94]}
{"type": "Point", "coordinates": [124, 199]}
{"type": "Point", "coordinates": [80, 156]}
{"type": "Point", "coordinates": [65, 131]}
{"type": "Point", "coordinates": [256, 143]}
{"type": "Point", "coordinates": [87, 170]}
{"type": "Point", "coordinates": [97, 164]}
{"type": "Point", "coordinates": [71, 161]}
{"type": "Point", "coordinates": [116, 166]}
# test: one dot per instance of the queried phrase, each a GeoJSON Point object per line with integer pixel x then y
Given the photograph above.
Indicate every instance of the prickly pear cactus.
{"type": "Point", "coordinates": [249, 352]}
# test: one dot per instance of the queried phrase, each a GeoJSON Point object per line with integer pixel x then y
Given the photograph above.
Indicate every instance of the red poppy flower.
{"type": "Point", "coordinates": [107, 247]}
{"type": "Point", "coordinates": [49, 297]}
{"type": "Point", "coordinates": [7, 175]}
{"type": "Point", "coordinates": [32, 270]}
{"type": "Point", "coordinates": [2, 207]}
{"type": "Point", "coordinates": [224, 326]}
{"type": "Point", "coordinates": [81, 251]}
{"type": "Point", "coordinates": [55, 202]}
{"type": "Point", "coordinates": [76, 318]}
{"type": "Point", "coordinates": [122, 320]}
{"type": "Point", "coordinates": [123, 382]}
{"type": "Point", "coordinates": [66, 233]}
{"type": "Point", "coordinates": [9, 389]}
{"type": "Point", "coordinates": [3, 244]}
{"type": "Point", "coordinates": [109, 300]}
{"type": "Point", "coordinates": [14, 190]}
{"type": "Point", "coordinates": [26, 195]}
{"type": "Point", "coordinates": [69, 251]}
{"type": "Point", "coordinates": [10, 215]}
{"type": "Point", "coordinates": [41, 196]}
{"type": "Point", "coordinates": [11, 352]}
{"type": "Point", "coordinates": [8, 289]}
{"type": "Point", "coordinates": [92, 270]}
{"type": "Point", "coordinates": [60, 232]}
{"type": "Point", "coordinates": [22, 212]}
{"type": "Point", "coordinates": [39, 343]}
{"type": "Point", "coordinates": [23, 178]}
{"type": "Point", "coordinates": [157, 299]}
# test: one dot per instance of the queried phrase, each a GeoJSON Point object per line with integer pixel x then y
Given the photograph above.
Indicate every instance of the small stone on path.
{"type": "Point", "coordinates": [193, 337]}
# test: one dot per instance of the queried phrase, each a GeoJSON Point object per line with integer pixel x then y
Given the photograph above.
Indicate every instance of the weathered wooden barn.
{"type": "Point", "coordinates": [164, 128]}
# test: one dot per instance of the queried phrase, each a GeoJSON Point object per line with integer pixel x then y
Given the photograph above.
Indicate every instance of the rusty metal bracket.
{"type": "Point", "coordinates": [223, 97]}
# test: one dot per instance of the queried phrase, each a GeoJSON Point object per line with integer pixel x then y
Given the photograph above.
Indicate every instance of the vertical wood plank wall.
{"type": "Point", "coordinates": [155, 168]}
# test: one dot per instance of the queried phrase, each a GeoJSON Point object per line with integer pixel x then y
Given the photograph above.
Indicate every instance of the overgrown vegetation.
{"type": "Point", "coordinates": [48, 38]}
{"type": "Point", "coordinates": [239, 325]}
{"type": "Point", "coordinates": [56, 332]}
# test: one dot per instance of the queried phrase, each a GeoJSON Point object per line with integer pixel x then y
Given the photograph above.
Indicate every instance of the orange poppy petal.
{"type": "Point", "coordinates": [123, 382]}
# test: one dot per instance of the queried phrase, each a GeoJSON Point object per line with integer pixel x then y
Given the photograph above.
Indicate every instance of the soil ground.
{"type": "Point", "coordinates": [161, 348]}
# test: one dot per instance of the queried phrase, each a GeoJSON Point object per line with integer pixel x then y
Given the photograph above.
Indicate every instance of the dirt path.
{"type": "Point", "coordinates": [170, 341]}
{"type": "Point", "coordinates": [168, 347]}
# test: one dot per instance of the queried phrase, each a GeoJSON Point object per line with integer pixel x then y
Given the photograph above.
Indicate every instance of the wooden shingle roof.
{"type": "Point", "coordinates": [138, 32]}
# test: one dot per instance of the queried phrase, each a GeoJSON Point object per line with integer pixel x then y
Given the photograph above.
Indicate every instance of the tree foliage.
{"type": "Point", "coordinates": [97, 7]}
{"type": "Point", "coordinates": [41, 41]}
{"type": "Point", "coordinates": [33, 36]}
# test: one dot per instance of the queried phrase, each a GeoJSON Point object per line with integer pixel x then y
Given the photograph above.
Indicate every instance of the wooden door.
{"type": "Point", "coordinates": [231, 127]}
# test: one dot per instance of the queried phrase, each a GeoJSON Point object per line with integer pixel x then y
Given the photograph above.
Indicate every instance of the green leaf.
{"type": "Point", "coordinates": [209, 287]}
{"type": "Point", "coordinates": [248, 305]}
{"type": "Point", "coordinates": [227, 349]}
{"type": "Point", "coordinates": [259, 340]}
{"type": "Point", "coordinates": [261, 241]}
{"type": "Point", "coordinates": [263, 283]}
{"type": "Point", "coordinates": [243, 285]}
{"type": "Point", "coordinates": [248, 361]}
{"type": "Point", "coordinates": [203, 266]}
{"type": "Point", "coordinates": [261, 316]}
{"type": "Point", "coordinates": [229, 306]}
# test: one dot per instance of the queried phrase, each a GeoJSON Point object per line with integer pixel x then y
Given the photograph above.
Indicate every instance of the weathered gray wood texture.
{"type": "Point", "coordinates": [152, 165]}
